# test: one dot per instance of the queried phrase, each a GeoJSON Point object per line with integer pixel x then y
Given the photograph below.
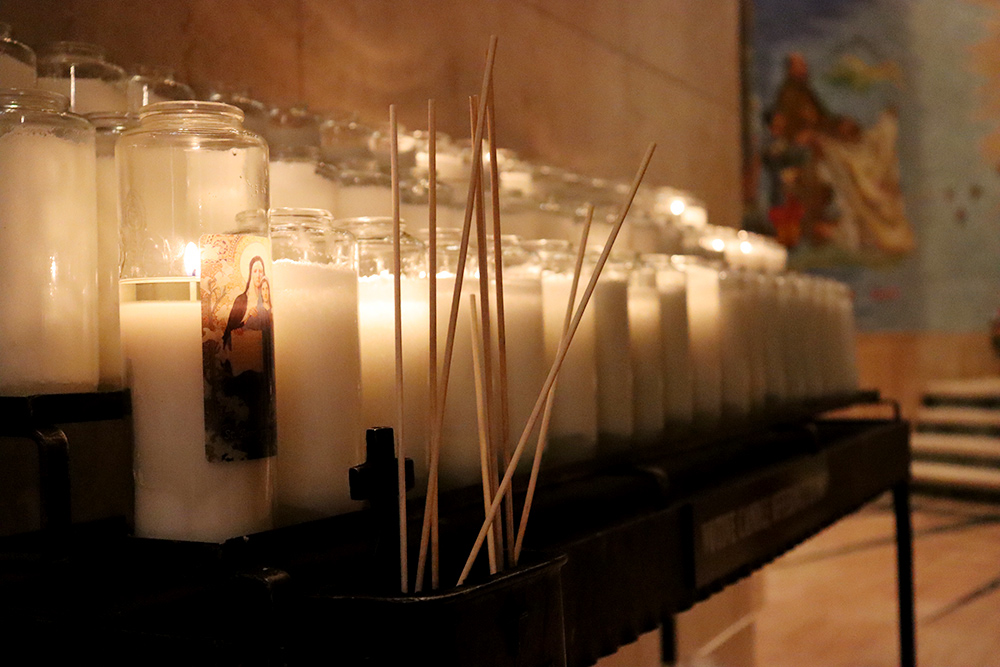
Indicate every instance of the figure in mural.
{"type": "Point", "coordinates": [832, 182]}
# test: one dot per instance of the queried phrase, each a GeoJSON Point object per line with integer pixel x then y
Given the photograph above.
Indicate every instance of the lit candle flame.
{"type": "Point", "coordinates": [745, 247]}
{"type": "Point", "coordinates": [718, 245]}
{"type": "Point", "coordinates": [192, 260]}
{"type": "Point", "coordinates": [677, 206]}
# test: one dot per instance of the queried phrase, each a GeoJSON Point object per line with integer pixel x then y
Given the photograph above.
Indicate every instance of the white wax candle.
{"type": "Point", "coordinates": [355, 201]}
{"type": "Point", "coordinates": [644, 319]}
{"type": "Point", "coordinates": [111, 369]}
{"type": "Point", "coordinates": [179, 494]}
{"type": "Point", "coordinates": [88, 95]}
{"type": "Point", "coordinates": [573, 428]}
{"type": "Point", "coordinates": [318, 383]}
{"type": "Point", "coordinates": [295, 184]}
{"type": "Point", "coordinates": [16, 74]}
{"type": "Point", "coordinates": [376, 325]}
{"type": "Point", "coordinates": [460, 464]}
{"type": "Point", "coordinates": [678, 399]}
{"type": "Point", "coordinates": [776, 391]}
{"type": "Point", "coordinates": [526, 367]}
{"type": "Point", "coordinates": [705, 342]}
{"type": "Point", "coordinates": [48, 251]}
{"type": "Point", "coordinates": [754, 305]}
{"type": "Point", "coordinates": [735, 348]}
{"type": "Point", "coordinates": [614, 363]}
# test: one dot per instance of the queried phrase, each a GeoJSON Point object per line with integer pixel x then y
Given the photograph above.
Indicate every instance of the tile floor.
{"type": "Point", "coordinates": [832, 600]}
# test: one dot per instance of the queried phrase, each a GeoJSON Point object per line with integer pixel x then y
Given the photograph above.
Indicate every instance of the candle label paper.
{"type": "Point", "coordinates": [237, 347]}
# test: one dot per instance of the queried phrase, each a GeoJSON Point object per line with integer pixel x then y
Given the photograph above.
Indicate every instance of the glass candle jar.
{"type": "Point", "coordinates": [17, 62]}
{"type": "Point", "coordinates": [363, 193]}
{"type": "Point", "coordinates": [299, 180]}
{"type": "Point", "coordinates": [317, 364]}
{"type": "Point", "coordinates": [705, 338]}
{"type": "Point", "coordinates": [671, 286]}
{"type": "Point", "coordinates": [154, 84]}
{"type": "Point", "coordinates": [573, 427]}
{"type": "Point", "coordinates": [48, 246]}
{"type": "Point", "coordinates": [376, 323]}
{"type": "Point", "coordinates": [614, 363]}
{"type": "Point", "coordinates": [80, 72]}
{"type": "Point", "coordinates": [195, 322]}
{"type": "Point", "coordinates": [109, 127]}
{"type": "Point", "coordinates": [646, 345]}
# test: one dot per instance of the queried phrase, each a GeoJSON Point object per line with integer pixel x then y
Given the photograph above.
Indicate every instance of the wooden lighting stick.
{"type": "Point", "coordinates": [429, 528]}
{"type": "Point", "coordinates": [481, 419]}
{"type": "Point", "coordinates": [474, 176]}
{"type": "Point", "coordinates": [397, 297]}
{"type": "Point", "coordinates": [556, 365]}
{"type": "Point", "coordinates": [504, 424]}
{"type": "Point", "coordinates": [543, 431]}
{"type": "Point", "coordinates": [484, 299]}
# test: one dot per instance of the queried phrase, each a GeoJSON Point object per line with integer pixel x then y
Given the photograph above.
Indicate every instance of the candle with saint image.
{"type": "Point", "coordinates": [317, 364]}
{"type": "Point", "coordinates": [202, 408]}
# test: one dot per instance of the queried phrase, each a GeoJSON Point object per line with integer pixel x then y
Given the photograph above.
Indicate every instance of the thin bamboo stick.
{"type": "Point", "coordinates": [484, 299]}
{"type": "Point", "coordinates": [504, 424]}
{"type": "Point", "coordinates": [483, 423]}
{"type": "Point", "coordinates": [429, 528]}
{"type": "Point", "coordinates": [400, 447]}
{"type": "Point", "coordinates": [560, 357]}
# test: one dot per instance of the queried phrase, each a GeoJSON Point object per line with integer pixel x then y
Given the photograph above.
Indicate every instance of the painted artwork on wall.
{"type": "Point", "coordinates": [876, 144]}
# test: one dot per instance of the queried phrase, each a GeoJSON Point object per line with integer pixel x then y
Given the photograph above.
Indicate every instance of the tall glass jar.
{"type": "Point", "coordinates": [17, 62]}
{"type": "Point", "coordinates": [317, 363]}
{"type": "Point", "coordinates": [299, 180]}
{"type": "Point", "coordinates": [109, 127]}
{"type": "Point", "coordinates": [48, 246]}
{"type": "Point", "coordinates": [646, 344]}
{"type": "Point", "coordinates": [671, 285]}
{"type": "Point", "coordinates": [377, 321]}
{"type": "Point", "coordinates": [195, 322]}
{"type": "Point", "coordinates": [573, 428]}
{"type": "Point", "coordinates": [80, 72]}
{"type": "Point", "coordinates": [154, 84]}
{"type": "Point", "coordinates": [704, 338]}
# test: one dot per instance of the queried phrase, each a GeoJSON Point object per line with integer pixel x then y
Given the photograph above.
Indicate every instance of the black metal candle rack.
{"type": "Point", "coordinates": [615, 548]}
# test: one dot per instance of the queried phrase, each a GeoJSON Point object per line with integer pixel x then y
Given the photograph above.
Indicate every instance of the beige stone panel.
{"type": "Point", "coordinates": [698, 141]}
{"type": "Point", "coordinates": [241, 43]}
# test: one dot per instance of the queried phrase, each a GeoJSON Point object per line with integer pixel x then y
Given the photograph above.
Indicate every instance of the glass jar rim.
{"type": "Point", "coordinates": [192, 109]}
{"type": "Point", "coordinates": [73, 48]}
{"type": "Point", "coordinates": [36, 98]}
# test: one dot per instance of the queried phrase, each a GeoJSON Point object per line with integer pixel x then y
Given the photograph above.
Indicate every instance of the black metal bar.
{"type": "Point", "coordinates": [904, 574]}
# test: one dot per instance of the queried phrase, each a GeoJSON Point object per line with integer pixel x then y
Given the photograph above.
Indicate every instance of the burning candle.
{"type": "Point", "coordinates": [195, 330]}
{"type": "Point", "coordinates": [48, 246]}
{"type": "Point", "coordinates": [317, 364]}
{"type": "Point", "coordinates": [735, 352]}
{"type": "Point", "coordinates": [376, 324]}
{"type": "Point", "coordinates": [363, 193]}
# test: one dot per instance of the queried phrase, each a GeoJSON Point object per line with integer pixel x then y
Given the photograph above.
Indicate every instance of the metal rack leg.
{"type": "Point", "coordinates": [904, 575]}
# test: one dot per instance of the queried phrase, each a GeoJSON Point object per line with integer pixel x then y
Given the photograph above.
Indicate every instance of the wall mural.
{"type": "Point", "coordinates": [876, 151]}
